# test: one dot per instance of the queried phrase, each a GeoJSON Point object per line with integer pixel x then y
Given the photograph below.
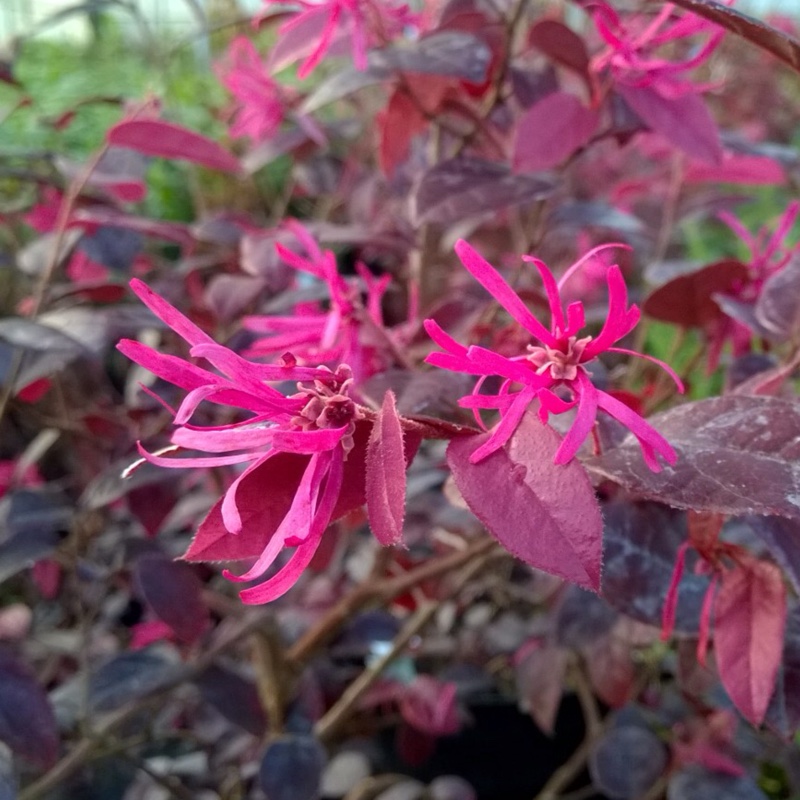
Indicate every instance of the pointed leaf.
{"type": "Point", "coordinates": [736, 455]}
{"type": "Point", "coordinates": [463, 187]}
{"type": "Point", "coordinates": [154, 137]}
{"type": "Point", "coordinates": [561, 45]}
{"type": "Point", "coordinates": [175, 594]}
{"type": "Point", "coordinates": [683, 121]}
{"type": "Point", "coordinates": [544, 514]}
{"type": "Point", "coordinates": [386, 475]}
{"type": "Point", "coordinates": [551, 131]}
{"type": "Point", "coordinates": [27, 723]}
{"type": "Point", "coordinates": [539, 677]}
{"type": "Point", "coordinates": [234, 697]}
{"type": "Point", "coordinates": [749, 621]}
{"type": "Point", "coordinates": [688, 299]}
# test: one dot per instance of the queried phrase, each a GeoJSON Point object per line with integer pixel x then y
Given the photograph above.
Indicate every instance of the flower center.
{"type": "Point", "coordinates": [563, 361]}
{"type": "Point", "coordinates": [329, 405]}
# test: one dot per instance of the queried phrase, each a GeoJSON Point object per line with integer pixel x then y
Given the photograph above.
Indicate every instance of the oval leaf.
{"type": "Point", "coordinates": [291, 768]}
{"type": "Point", "coordinates": [544, 514]}
{"type": "Point", "coordinates": [696, 783]}
{"type": "Point", "coordinates": [174, 593]}
{"type": "Point", "coordinates": [684, 121]}
{"type": "Point", "coordinates": [749, 621]}
{"type": "Point", "coordinates": [551, 131]}
{"type": "Point", "coordinates": [27, 723]}
{"type": "Point", "coordinates": [154, 137]}
{"type": "Point", "coordinates": [688, 300]}
{"type": "Point", "coordinates": [736, 455]}
{"type": "Point", "coordinates": [386, 475]}
{"type": "Point", "coordinates": [627, 761]}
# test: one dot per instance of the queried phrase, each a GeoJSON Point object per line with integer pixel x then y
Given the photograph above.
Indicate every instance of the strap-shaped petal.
{"type": "Point", "coordinates": [495, 284]}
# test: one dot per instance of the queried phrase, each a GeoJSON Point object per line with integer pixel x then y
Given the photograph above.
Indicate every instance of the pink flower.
{"type": "Point", "coordinates": [318, 420]}
{"type": "Point", "coordinates": [319, 336]}
{"type": "Point", "coordinates": [553, 370]}
{"type": "Point", "coordinates": [319, 25]}
{"type": "Point", "coordinates": [630, 56]}
{"type": "Point", "coordinates": [261, 101]}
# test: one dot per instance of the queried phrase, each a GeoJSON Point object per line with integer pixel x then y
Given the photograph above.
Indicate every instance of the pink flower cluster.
{"type": "Point", "coordinates": [553, 371]}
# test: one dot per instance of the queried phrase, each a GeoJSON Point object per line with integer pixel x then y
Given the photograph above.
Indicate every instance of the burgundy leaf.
{"type": "Point", "coordinates": [544, 514]}
{"type": "Point", "coordinates": [386, 475]}
{"type": "Point", "coordinates": [561, 45]}
{"type": "Point", "coordinates": [688, 299]}
{"type": "Point", "coordinates": [399, 123]}
{"type": "Point", "coordinates": [552, 130]}
{"type": "Point", "coordinates": [684, 121]}
{"type": "Point", "coordinates": [781, 45]}
{"type": "Point", "coordinates": [175, 594]}
{"type": "Point", "coordinates": [539, 678]}
{"type": "Point", "coordinates": [166, 140]}
{"type": "Point", "coordinates": [778, 305]}
{"type": "Point", "coordinates": [27, 723]}
{"type": "Point", "coordinates": [736, 455]}
{"type": "Point", "coordinates": [464, 187]}
{"type": "Point", "coordinates": [749, 621]}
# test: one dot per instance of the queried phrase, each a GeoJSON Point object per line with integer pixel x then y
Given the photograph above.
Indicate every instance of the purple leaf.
{"type": "Point", "coordinates": [749, 621]}
{"type": "Point", "coordinates": [778, 305]}
{"type": "Point", "coordinates": [126, 677]}
{"type": "Point", "coordinates": [166, 140]}
{"type": "Point", "coordinates": [683, 121]}
{"type": "Point", "coordinates": [640, 544]}
{"type": "Point", "coordinates": [234, 697]}
{"type": "Point", "coordinates": [697, 783]}
{"type": "Point", "coordinates": [386, 475]}
{"type": "Point", "coordinates": [544, 514]}
{"type": "Point", "coordinates": [781, 45]}
{"type": "Point", "coordinates": [27, 722]}
{"type": "Point", "coordinates": [736, 455]}
{"type": "Point", "coordinates": [463, 187]}
{"type": "Point", "coordinates": [783, 714]}
{"type": "Point", "coordinates": [291, 768]}
{"type": "Point", "coordinates": [627, 761]}
{"type": "Point", "coordinates": [551, 131]}
{"type": "Point", "coordinates": [782, 538]}
{"type": "Point", "coordinates": [175, 594]}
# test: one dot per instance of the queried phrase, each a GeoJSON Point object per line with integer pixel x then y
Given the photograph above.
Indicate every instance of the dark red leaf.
{"type": "Point", "coordinates": [544, 514]}
{"type": "Point", "coordinates": [155, 137]}
{"type": "Point", "coordinates": [736, 455]}
{"type": "Point", "coordinates": [386, 475]}
{"type": "Point", "coordinates": [463, 187]}
{"type": "Point", "coordinates": [749, 621]}
{"type": "Point", "coordinates": [398, 124]}
{"type": "Point", "coordinates": [561, 45]}
{"type": "Point", "coordinates": [27, 723]}
{"type": "Point", "coordinates": [174, 593]}
{"type": "Point", "coordinates": [611, 669]}
{"type": "Point", "coordinates": [551, 131]}
{"type": "Point", "coordinates": [683, 121]}
{"type": "Point", "coordinates": [780, 44]}
{"type": "Point", "coordinates": [688, 299]}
